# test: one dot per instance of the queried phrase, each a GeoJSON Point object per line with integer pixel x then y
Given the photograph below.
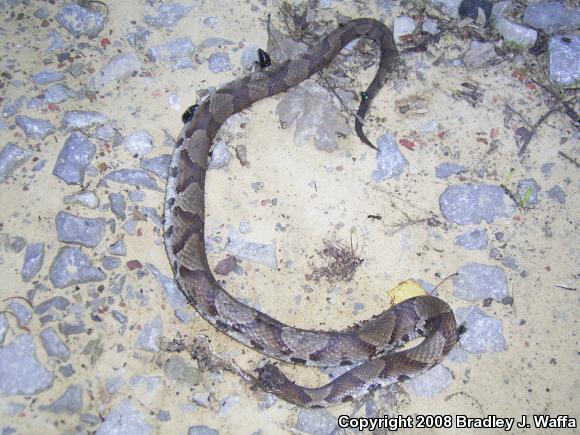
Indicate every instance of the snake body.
{"type": "Point", "coordinates": [367, 346]}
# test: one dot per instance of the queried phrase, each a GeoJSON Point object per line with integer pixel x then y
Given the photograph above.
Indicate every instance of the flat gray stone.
{"type": "Point", "coordinates": [118, 248]}
{"type": "Point", "coordinates": [120, 66]}
{"type": "Point", "coordinates": [124, 419]}
{"type": "Point", "coordinates": [149, 338]}
{"type": "Point", "coordinates": [71, 402]}
{"type": "Point", "coordinates": [171, 50]}
{"type": "Point", "coordinates": [82, 119]}
{"type": "Point", "coordinates": [118, 205]}
{"type": "Point", "coordinates": [479, 281]}
{"type": "Point", "coordinates": [47, 76]}
{"type": "Point", "coordinates": [158, 165]}
{"type": "Point", "coordinates": [74, 158]}
{"type": "Point", "coordinates": [219, 62]}
{"type": "Point", "coordinates": [564, 59]}
{"type": "Point", "coordinates": [133, 177]}
{"type": "Point", "coordinates": [33, 260]}
{"type": "Point", "coordinates": [251, 251]}
{"type": "Point", "coordinates": [58, 93]}
{"type": "Point", "coordinates": [316, 421]}
{"type": "Point", "coordinates": [35, 128]}
{"type": "Point", "coordinates": [220, 156]}
{"type": "Point", "coordinates": [447, 169]}
{"type": "Point", "coordinates": [557, 194]}
{"type": "Point", "coordinates": [83, 231]}
{"type": "Point", "coordinates": [483, 333]}
{"type": "Point", "coordinates": [430, 383]}
{"type": "Point", "coordinates": [390, 161]}
{"type": "Point", "coordinates": [53, 345]}
{"type": "Point", "coordinates": [57, 303]}
{"type": "Point", "coordinates": [22, 312]}
{"type": "Point", "coordinates": [167, 14]}
{"type": "Point", "coordinates": [182, 372]}
{"type": "Point", "coordinates": [201, 430]}
{"type": "Point", "coordinates": [84, 198]}
{"type": "Point", "coordinates": [472, 203]}
{"type": "Point", "coordinates": [72, 266]}
{"type": "Point", "coordinates": [139, 142]}
{"type": "Point", "coordinates": [174, 294]}
{"type": "Point", "coordinates": [3, 327]}
{"type": "Point", "coordinates": [20, 372]}
{"type": "Point", "coordinates": [79, 21]}
{"type": "Point", "coordinates": [11, 158]}
{"type": "Point", "coordinates": [552, 17]}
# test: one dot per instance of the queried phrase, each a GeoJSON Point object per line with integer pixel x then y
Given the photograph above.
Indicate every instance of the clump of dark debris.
{"type": "Point", "coordinates": [341, 261]}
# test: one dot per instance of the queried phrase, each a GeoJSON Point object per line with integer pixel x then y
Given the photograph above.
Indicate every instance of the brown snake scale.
{"type": "Point", "coordinates": [366, 346]}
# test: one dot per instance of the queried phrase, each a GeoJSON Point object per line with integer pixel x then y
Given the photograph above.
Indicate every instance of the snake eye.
{"type": "Point", "coordinates": [264, 58]}
{"type": "Point", "coordinates": [188, 114]}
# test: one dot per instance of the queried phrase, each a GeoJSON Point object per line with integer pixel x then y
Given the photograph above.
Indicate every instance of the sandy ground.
{"type": "Point", "coordinates": [536, 374]}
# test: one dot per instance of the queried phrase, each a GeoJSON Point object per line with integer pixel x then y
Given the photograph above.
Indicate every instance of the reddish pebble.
{"type": "Point", "coordinates": [105, 42]}
{"type": "Point", "coordinates": [134, 264]}
{"type": "Point", "coordinates": [52, 106]}
{"type": "Point", "coordinates": [407, 144]}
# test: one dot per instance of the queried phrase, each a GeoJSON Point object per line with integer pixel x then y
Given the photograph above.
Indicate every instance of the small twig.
{"type": "Point", "coordinates": [519, 115]}
{"type": "Point", "coordinates": [570, 112]}
{"type": "Point", "coordinates": [572, 289]}
{"type": "Point", "coordinates": [567, 157]}
{"type": "Point", "coordinates": [462, 393]}
{"type": "Point", "coordinates": [443, 280]}
{"type": "Point", "coordinates": [534, 129]}
{"type": "Point", "coordinates": [330, 88]}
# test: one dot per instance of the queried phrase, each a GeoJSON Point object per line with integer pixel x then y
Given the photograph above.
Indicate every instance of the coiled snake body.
{"type": "Point", "coordinates": [366, 346]}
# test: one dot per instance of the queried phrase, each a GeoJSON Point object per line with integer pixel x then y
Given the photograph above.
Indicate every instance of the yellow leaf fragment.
{"type": "Point", "coordinates": [405, 290]}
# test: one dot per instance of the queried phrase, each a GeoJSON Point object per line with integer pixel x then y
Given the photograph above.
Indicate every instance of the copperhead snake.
{"type": "Point", "coordinates": [367, 346]}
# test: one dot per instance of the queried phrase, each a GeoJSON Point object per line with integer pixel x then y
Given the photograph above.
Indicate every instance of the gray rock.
{"type": "Point", "coordinates": [557, 194]}
{"type": "Point", "coordinates": [564, 59]}
{"type": "Point", "coordinates": [430, 383]}
{"type": "Point", "coordinates": [514, 35]}
{"type": "Point", "coordinates": [53, 345]}
{"type": "Point", "coordinates": [118, 205]}
{"type": "Point", "coordinates": [403, 26]}
{"type": "Point", "coordinates": [3, 327]}
{"type": "Point", "coordinates": [74, 158]}
{"type": "Point", "coordinates": [119, 67]}
{"type": "Point", "coordinates": [58, 93]}
{"type": "Point", "coordinates": [163, 415]}
{"type": "Point", "coordinates": [67, 370]}
{"type": "Point", "coordinates": [167, 14]}
{"type": "Point", "coordinates": [80, 21]}
{"type": "Point", "coordinates": [447, 169]}
{"type": "Point", "coordinates": [105, 132]}
{"type": "Point", "coordinates": [182, 372]}
{"type": "Point", "coordinates": [430, 26]}
{"type": "Point", "coordinates": [250, 251]}
{"type": "Point", "coordinates": [34, 128]}
{"type": "Point", "coordinates": [22, 312]}
{"type": "Point", "coordinates": [316, 421]}
{"type": "Point", "coordinates": [11, 158]}
{"type": "Point", "coordinates": [118, 248]}
{"type": "Point", "coordinates": [47, 76]}
{"type": "Point", "coordinates": [483, 333]}
{"type": "Point", "coordinates": [472, 203]}
{"type": "Point", "coordinates": [110, 263]}
{"type": "Point", "coordinates": [85, 198]}
{"type": "Point", "coordinates": [210, 22]}
{"type": "Point", "coordinates": [57, 303]}
{"type": "Point", "coordinates": [158, 165]}
{"type": "Point", "coordinates": [552, 17]}
{"type": "Point", "coordinates": [249, 57]}
{"type": "Point", "coordinates": [20, 372]}
{"type": "Point", "coordinates": [201, 430]}
{"type": "Point", "coordinates": [139, 142]}
{"type": "Point", "coordinates": [220, 157]}
{"type": "Point", "coordinates": [79, 230]}
{"type": "Point", "coordinates": [547, 168]}
{"type": "Point", "coordinates": [174, 295]}
{"type": "Point", "coordinates": [119, 317]}
{"type": "Point", "coordinates": [15, 243]}
{"type": "Point", "coordinates": [509, 262]}
{"type": "Point", "coordinates": [138, 37]}
{"type": "Point", "coordinates": [532, 185]}
{"type": "Point", "coordinates": [457, 355]}
{"type": "Point", "coordinates": [479, 281]}
{"type": "Point", "coordinates": [136, 196]}
{"type": "Point", "coordinates": [133, 177]}
{"type": "Point", "coordinates": [126, 420]}
{"type": "Point", "coordinates": [172, 50]}
{"type": "Point", "coordinates": [11, 108]}
{"type": "Point", "coordinates": [149, 338]}
{"type": "Point", "coordinates": [216, 42]}
{"type": "Point", "coordinates": [72, 328]}
{"type": "Point", "coordinates": [479, 55]}
{"type": "Point", "coordinates": [475, 239]}
{"type": "Point", "coordinates": [82, 119]}
{"type": "Point", "coordinates": [71, 266]}
{"type": "Point", "coordinates": [219, 62]}
{"type": "Point", "coordinates": [55, 42]}
{"type": "Point", "coordinates": [41, 13]}
{"type": "Point", "coordinates": [90, 419]}
{"type": "Point", "coordinates": [390, 161]}
{"type": "Point", "coordinates": [71, 402]}
{"type": "Point", "coordinates": [448, 7]}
